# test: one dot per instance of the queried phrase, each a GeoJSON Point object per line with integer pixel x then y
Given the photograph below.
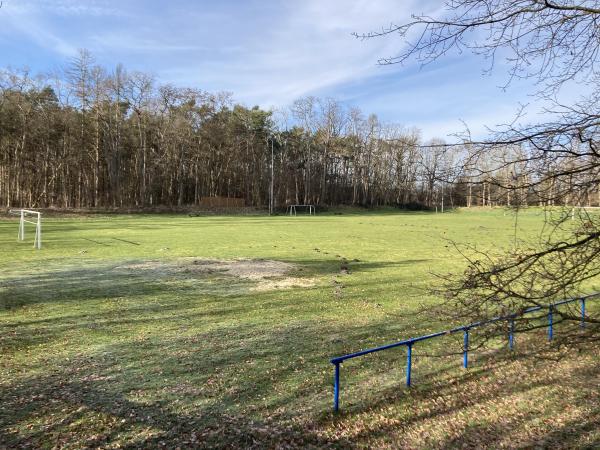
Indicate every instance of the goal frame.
{"type": "Point", "coordinates": [24, 214]}
{"type": "Point", "coordinates": [292, 209]}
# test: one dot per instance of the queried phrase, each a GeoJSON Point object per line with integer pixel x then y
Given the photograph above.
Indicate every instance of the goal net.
{"type": "Point", "coordinates": [27, 216]}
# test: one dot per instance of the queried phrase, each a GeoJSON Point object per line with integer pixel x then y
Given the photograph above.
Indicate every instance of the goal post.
{"type": "Point", "coordinates": [33, 218]}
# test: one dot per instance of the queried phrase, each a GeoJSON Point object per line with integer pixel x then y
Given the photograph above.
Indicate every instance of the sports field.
{"type": "Point", "coordinates": [215, 331]}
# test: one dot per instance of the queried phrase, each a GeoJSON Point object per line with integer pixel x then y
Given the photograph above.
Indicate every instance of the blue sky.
{"type": "Point", "coordinates": [267, 53]}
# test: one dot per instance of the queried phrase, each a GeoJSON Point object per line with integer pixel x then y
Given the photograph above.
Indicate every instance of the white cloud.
{"type": "Point", "coordinates": [306, 48]}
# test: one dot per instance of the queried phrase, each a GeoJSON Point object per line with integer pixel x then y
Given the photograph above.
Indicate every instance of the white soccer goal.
{"type": "Point", "coordinates": [292, 209]}
{"type": "Point", "coordinates": [25, 216]}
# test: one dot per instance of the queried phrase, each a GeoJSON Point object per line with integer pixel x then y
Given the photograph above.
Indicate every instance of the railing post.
{"type": "Point", "coordinates": [408, 363]}
{"type": "Point", "coordinates": [550, 323]}
{"type": "Point", "coordinates": [511, 333]}
{"type": "Point", "coordinates": [582, 300]}
{"type": "Point", "coordinates": [336, 388]}
{"type": "Point", "coordinates": [466, 348]}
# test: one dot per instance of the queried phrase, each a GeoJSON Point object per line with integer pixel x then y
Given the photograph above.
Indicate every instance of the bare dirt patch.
{"type": "Point", "coordinates": [266, 274]}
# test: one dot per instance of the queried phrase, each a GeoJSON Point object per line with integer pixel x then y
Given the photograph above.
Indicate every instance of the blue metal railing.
{"type": "Point", "coordinates": [465, 329]}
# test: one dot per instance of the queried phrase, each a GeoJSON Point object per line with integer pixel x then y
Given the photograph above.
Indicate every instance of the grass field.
{"type": "Point", "coordinates": [124, 331]}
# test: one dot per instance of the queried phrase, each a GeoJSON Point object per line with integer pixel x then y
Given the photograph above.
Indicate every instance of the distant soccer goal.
{"type": "Point", "coordinates": [293, 209]}
{"type": "Point", "coordinates": [33, 218]}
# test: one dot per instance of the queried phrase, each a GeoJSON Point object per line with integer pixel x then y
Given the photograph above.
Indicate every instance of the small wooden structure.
{"type": "Point", "coordinates": [222, 202]}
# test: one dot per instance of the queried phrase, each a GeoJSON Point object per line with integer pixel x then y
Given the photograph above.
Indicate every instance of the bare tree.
{"type": "Point", "coordinates": [557, 162]}
{"type": "Point", "coordinates": [91, 137]}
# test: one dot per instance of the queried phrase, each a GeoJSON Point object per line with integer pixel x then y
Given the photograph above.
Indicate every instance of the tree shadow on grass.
{"type": "Point", "coordinates": [85, 281]}
{"type": "Point", "coordinates": [217, 374]}
{"type": "Point", "coordinates": [225, 388]}
{"type": "Point", "coordinates": [111, 303]}
{"type": "Point", "coordinates": [486, 396]}
{"type": "Point", "coordinates": [233, 386]}
{"type": "Point", "coordinates": [238, 386]}
{"type": "Point", "coordinates": [111, 418]}
{"type": "Point", "coordinates": [581, 433]}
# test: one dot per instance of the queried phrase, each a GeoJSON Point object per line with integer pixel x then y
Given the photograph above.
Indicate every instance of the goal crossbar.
{"type": "Point", "coordinates": [26, 211]}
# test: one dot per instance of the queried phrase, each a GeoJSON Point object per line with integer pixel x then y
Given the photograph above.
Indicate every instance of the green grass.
{"type": "Point", "coordinates": [94, 355]}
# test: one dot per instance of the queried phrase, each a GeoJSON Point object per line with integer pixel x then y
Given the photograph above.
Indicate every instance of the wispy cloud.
{"type": "Point", "coordinates": [304, 48]}
{"type": "Point", "coordinates": [63, 7]}
{"type": "Point", "coordinates": [109, 41]}
{"type": "Point", "coordinates": [30, 28]}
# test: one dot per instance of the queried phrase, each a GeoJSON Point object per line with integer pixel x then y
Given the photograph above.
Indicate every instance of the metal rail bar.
{"type": "Point", "coordinates": [465, 329]}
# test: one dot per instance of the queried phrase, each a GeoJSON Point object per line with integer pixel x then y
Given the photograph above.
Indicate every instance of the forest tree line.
{"type": "Point", "coordinates": [89, 137]}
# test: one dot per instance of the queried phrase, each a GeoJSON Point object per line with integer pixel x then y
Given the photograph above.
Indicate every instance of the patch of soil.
{"type": "Point", "coordinates": [267, 274]}
{"type": "Point", "coordinates": [283, 283]}
{"type": "Point", "coordinates": [249, 269]}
